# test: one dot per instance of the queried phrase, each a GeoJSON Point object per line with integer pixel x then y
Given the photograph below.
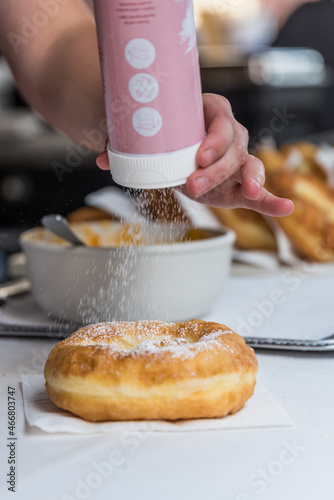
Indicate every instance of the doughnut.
{"type": "Point", "coordinates": [293, 171]}
{"type": "Point", "coordinates": [151, 370]}
{"type": "Point", "coordinates": [252, 230]}
{"type": "Point", "coordinates": [310, 227]}
{"type": "Point", "coordinates": [300, 157]}
{"type": "Point", "coordinates": [273, 159]}
{"type": "Point", "coordinates": [88, 214]}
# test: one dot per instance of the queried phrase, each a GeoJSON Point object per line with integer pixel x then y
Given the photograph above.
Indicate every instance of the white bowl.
{"type": "Point", "coordinates": [168, 282]}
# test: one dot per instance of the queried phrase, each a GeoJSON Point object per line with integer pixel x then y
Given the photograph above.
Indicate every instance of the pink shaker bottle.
{"type": "Point", "coordinates": [150, 71]}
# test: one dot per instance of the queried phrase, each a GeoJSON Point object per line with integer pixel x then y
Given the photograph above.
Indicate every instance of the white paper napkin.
{"type": "Point", "coordinates": [260, 411]}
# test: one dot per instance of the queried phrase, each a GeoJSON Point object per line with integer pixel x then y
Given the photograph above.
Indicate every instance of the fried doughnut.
{"type": "Point", "coordinates": [302, 158]}
{"type": "Point", "coordinates": [311, 226]}
{"type": "Point", "coordinates": [151, 370]}
{"type": "Point", "coordinates": [273, 159]}
{"type": "Point", "coordinates": [88, 214]}
{"type": "Point", "coordinates": [253, 232]}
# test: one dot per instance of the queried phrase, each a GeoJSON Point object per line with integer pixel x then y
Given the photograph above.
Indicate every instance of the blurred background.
{"type": "Point", "coordinates": [272, 59]}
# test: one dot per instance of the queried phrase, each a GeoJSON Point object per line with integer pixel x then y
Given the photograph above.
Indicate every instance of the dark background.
{"type": "Point", "coordinates": [32, 184]}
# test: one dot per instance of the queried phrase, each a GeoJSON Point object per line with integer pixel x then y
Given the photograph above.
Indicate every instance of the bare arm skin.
{"type": "Point", "coordinates": [57, 68]}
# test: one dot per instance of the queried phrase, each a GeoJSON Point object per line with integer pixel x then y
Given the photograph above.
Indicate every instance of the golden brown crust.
{"type": "Point", "coordinates": [88, 214]}
{"type": "Point", "coordinates": [301, 157]}
{"type": "Point", "coordinates": [294, 171]}
{"type": "Point", "coordinates": [273, 159]}
{"type": "Point", "coordinates": [311, 226]}
{"type": "Point", "coordinates": [253, 232]}
{"type": "Point", "coordinates": [151, 369]}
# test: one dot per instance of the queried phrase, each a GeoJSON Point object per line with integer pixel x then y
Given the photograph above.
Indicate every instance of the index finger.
{"type": "Point", "coordinates": [221, 129]}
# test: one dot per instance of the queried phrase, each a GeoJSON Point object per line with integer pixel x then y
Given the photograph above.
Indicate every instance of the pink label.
{"type": "Point", "coordinates": [150, 72]}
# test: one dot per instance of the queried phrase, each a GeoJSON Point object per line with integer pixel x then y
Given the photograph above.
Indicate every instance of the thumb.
{"type": "Point", "coordinates": [102, 161]}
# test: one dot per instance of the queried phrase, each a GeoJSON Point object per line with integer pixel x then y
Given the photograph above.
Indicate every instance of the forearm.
{"type": "Point", "coordinates": [57, 70]}
{"type": "Point", "coordinates": [70, 95]}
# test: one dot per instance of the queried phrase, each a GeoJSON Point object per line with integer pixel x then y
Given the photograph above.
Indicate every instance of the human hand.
{"type": "Point", "coordinates": [227, 176]}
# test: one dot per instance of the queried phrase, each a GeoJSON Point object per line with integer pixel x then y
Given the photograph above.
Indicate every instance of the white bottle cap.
{"type": "Point", "coordinates": [153, 171]}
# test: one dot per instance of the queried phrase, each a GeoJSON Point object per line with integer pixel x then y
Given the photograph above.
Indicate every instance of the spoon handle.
{"type": "Point", "coordinates": [58, 225]}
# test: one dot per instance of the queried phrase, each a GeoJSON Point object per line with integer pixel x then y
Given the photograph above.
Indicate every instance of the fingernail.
{"type": "Point", "coordinates": [202, 185]}
{"type": "Point", "coordinates": [209, 156]}
{"type": "Point", "coordinates": [256, 183]}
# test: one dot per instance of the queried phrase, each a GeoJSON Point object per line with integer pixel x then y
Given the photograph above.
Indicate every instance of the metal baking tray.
{"type": "Point", "coordinates": [325, 344]}
{"type": "Point", "coordinates": [53, 331]}
{"type": "Point", "coordinates": [63, 331]}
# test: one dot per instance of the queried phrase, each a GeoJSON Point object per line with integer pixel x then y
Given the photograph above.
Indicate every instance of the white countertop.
{"type": "Point", "coordinates": [291, 463]}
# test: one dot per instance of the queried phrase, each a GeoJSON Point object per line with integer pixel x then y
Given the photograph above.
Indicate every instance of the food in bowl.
{"type": "Point", "coordinates": [171, 276]}
{"type": "Point", "coordinates": [108, 234]}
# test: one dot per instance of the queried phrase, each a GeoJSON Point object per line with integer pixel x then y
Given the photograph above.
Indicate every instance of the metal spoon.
{"type": "Point", "coordinates": [58, 225]}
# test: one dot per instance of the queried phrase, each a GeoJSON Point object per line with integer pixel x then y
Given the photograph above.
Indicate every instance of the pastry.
{"type": "Point", "coordinates": [252, 231]}
{"type": "Point", "coordinates": [151, 370]}
{"type": "Point", "coordinates": [87, 214]}
{"type": "Point", "coordinates": [310, 227]}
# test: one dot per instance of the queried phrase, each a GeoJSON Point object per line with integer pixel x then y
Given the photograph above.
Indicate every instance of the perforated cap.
{"type": "Point", "coordinates": [153, 171]}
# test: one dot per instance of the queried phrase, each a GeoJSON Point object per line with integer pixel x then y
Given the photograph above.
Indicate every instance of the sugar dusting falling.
{"type": "Point", "coordinates": [126, 288]}
{"type": "Point", "coordinates": [159, 205]}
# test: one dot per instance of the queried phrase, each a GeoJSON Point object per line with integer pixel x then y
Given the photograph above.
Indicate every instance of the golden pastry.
{"type": "Point", "coordinates": [253, 232]}
{"type": "Point", "coordinates": [151, 370]}
{"type": "Point", "coordinates": [311, 226]}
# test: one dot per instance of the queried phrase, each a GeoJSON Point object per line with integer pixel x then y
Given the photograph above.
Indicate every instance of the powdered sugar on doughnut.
{"type": "Point", "coordinates": [157, 338]}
